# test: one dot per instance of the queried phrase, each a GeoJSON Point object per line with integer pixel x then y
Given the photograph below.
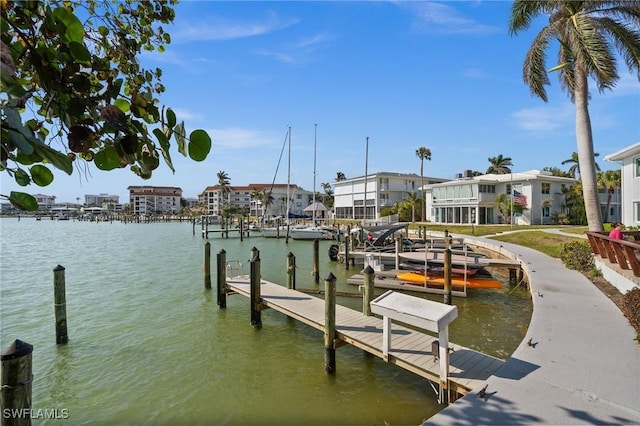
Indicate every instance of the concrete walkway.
{"type": "Point", "coordinates": [582, 366]}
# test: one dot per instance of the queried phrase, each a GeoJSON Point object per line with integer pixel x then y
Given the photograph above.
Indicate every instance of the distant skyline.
{"type": "Point", "coordinates": [443, 75]}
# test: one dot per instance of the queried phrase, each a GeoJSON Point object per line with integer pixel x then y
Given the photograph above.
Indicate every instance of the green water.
{"type": "Point", "coordinates": [148, 345]}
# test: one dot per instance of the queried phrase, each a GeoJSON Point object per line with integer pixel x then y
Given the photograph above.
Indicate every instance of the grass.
{"type": "Point", "coordinates": [545, 242]}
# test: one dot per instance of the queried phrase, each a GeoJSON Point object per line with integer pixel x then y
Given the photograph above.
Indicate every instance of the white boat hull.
{"type": "Point", "coordinates": [310, 234]}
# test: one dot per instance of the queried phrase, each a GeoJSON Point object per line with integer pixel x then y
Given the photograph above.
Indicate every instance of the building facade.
{"type": "Point", "coordinates": [380, 190]}
{"type": "Point", "coordinates": [150, 200]}
{"type": "Point", "coordinates": [629, 160]}
{"type": "Point", "coordinates": [472, 199]}
{"type": "Point", "coordinates": [246, 197]}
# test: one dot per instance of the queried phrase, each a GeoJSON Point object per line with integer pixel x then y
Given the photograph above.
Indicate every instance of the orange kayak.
{"type": "Point", "coordinates": [457, 281]}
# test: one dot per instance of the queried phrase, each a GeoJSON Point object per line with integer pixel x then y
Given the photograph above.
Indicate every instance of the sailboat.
{"type": "Point", "coordinates": [282, 230]}
{"type": "Point", "coordinates": [314, 231]}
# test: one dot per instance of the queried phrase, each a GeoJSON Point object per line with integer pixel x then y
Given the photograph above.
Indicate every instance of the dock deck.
{"type": "Point", "coordinates": [410, 349]}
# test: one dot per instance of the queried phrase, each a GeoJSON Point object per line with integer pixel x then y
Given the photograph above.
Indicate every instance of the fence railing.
{"type": "Point", "coordinates": [624, 253]}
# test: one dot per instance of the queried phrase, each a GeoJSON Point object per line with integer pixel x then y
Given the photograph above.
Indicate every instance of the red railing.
{"type": "Point", "coordinates": [622, 252]}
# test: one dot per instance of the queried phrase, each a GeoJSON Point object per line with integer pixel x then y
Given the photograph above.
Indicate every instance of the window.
{"type": "Point", "coordinates": [546, 211]}
{"type": "Point", "coordinates": [637, 168]}
{"type": "Point", "coordinates": [508, 189]}
{"type": "Point", "coordinates": [546, 188]}
{"type": "Point", "coordinates": [490, 189]}
{"type": "Point", "coordinates": [636, 210]}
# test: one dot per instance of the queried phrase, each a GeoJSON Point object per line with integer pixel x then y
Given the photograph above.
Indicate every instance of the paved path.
{"type": "Point", "coordinates": [583, 366]}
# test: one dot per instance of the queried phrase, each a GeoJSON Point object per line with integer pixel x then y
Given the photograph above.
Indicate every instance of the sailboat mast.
{"type": "Point", "coordinates": [315, 138]}
{"type": "Point", "coordinates": [289, 178]}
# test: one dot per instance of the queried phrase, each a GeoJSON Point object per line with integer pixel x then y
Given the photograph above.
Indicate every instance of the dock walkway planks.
{"type": "Point", "coordinates": [410, 349]}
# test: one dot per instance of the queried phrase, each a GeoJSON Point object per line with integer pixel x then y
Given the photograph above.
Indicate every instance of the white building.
{"type": "Point", "coordinates": [243, 197]}
{"type": "Point", "coordinates": [629, 159]}
{"type": "Point", "coordinates": [149, 200]}
{"type": "Point", "coordinates": [471, 199]}
{"type": "Point", "coordinates": [381, 190]}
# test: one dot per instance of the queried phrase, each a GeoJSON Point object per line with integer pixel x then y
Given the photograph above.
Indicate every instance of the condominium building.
{"type": "Point", "coordinates": [629, 160]}
{"type": "Point", "coordinates": [380, 190]}
{"type": "Point", "coordinates": [149, 200]}
{"type": "Point", "coordinates": [246, 197]}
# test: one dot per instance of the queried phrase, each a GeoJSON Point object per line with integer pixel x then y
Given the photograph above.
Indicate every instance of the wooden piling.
{"type": "Point", "coordinates": [316, 261]}
{"type": "Point", "coordinates": [256, 316]}
{"type": "Point", "coordinates": [347, 241]}
{"type": "Point", "coordinates": [447, 268]}
{"type": "Point", "coordinates": [207, 266]}
{"type": "Point", "coordinates": [512, 276]}
{"type": "Point", "coordinates": [291, 271]}
{"type": "Point", "coordinates": [221, 265]}
{"type": "Point", "coordinates": [330, 324]}
{"type": "Point", "coordinates": [16, 379]}
{"type": "Point", "coordinates": [369, 290]}
{"type": "Point", "coordinates": [60, 305]}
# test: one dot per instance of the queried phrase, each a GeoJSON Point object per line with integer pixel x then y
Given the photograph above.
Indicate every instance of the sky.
{"type": "Point", "coordinates": [362, 85]}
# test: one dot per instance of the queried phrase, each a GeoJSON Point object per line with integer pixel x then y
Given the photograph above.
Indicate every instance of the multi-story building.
{"type": "Point", "coordinates": [150, 200]}
{"type": "Point", "coordinates": [245, 197]}
{"type": "Point", "coordinates": [379, 189]}
{"type": "Point", "coordinates": [108, 203]}
{"type": "Point", "coordinates": [45, 202]}
{"type": "Point", "coordinates": [471, 199]}
{"type": "Point", "coordinates": [629, 160]}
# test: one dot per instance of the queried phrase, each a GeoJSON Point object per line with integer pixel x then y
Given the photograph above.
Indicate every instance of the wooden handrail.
{"type": "Point", "coordinates": [624, 253]}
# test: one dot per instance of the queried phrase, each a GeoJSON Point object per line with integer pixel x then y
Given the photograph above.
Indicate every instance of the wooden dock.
{"type": "Point", "coordinates": [410, 349]}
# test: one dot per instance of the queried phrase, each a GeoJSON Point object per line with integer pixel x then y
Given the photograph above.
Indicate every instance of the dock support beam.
{"type": "Point", "coordinates": [369, 284]}
{"type": "Point", "coordinates": [330, 324]}
{"type": "Point", "coordinates": [255, 278]}
{"type": "Point", "coordinates": [221, 263]}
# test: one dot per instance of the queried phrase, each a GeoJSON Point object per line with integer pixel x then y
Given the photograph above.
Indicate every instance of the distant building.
{"type": "Point", "coordinates": [108, 203]}
{"type": "Point", "coordinates": [150, 200]}
{"type": "Point", "coordinates": [383, 189]}
{"type": "Point", "coordinates": [471, 199]}
{"type": "Point", "coordinates": [244, 197]}
{"type": "Point", "coordinates": [45, 202]}
{"type": "Point", "coordinates": [629, 160]}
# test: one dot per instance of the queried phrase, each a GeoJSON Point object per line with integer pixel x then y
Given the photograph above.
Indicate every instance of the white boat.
{"type": "Point", "coordinates": [311, 233]}
{"type": "Point", "coordinates": [274, 231]}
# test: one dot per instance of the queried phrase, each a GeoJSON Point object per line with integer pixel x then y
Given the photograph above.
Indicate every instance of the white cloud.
{"type": "Point", "coordinates": [445, 19]}
{"type": "Point", "coordinates": [237, 138]}
{"type": "Point", "coordinates": [544, 119]}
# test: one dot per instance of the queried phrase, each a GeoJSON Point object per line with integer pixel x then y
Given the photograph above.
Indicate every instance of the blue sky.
{"type": "Point", "coordinates": [443, 75]}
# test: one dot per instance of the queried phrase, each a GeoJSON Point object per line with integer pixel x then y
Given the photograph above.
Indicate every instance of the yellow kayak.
{"type": "Point", "coordinates": [456, 281]}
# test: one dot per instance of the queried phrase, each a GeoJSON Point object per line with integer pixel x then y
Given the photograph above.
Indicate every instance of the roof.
{"type": "Point", "coordinates": [625, 152]}
{"type": "Point", "coordinates": [507, 177]}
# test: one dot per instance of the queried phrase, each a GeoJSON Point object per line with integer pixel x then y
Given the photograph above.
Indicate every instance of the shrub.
{"type": "Point", "coordinates": [631, 308]}
{"type": "Point", "coordinates": [577, 255]}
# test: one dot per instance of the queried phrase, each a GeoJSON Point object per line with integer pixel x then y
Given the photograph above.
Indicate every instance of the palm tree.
{"type": "Point", "coordinates": [609, 180]}
{"type": "Point", "coordinates": [589, 33]}
{"type": "Point", "coordinates": [412, 199]}
{"type": "Point", "coordinates": [423, 154]}
{"type": "Point", "coordinates": [575, 164]}
{"type": "Point", "coordinates": [499, 165]}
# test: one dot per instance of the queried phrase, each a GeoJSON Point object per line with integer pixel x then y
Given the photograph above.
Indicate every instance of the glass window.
{"type": "Point", "coordinates": [637, 168]}
{"type": "Point", "coordinates": [546, 188]}
{"type": "Point", "coordinates": [636, 209]}
{"type": "Point", "coordinates": [546, 212]}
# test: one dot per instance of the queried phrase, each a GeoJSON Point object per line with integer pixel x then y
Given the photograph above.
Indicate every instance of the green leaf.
{"type": "Point", "coordinates": [180, 136]}
{"type": "Point", "coordinates": [79, 52]}
{"type": "Point", "coordinates": [107, 159]}
{"type": "Point", "coordinates": [171, 118]}
{"type": "Point", "coordinates": [199, 145]}
{"type": "Point", "coordinates": [22, 178]}
{"type": "Point", "coordinates": [122, 104]}
{"type": "Point", "coordinates": [23, 201]}
{"type": "Point", "coordinates": [41, 175]}
{"type": "Point", "coordinates": [73, 29]}
{"type": "Point", "coordinates": [164, 147]}
{"type": "Point", "coordinates": [58, 159]}
{"type": "Point", "coordinates": [104, 31]}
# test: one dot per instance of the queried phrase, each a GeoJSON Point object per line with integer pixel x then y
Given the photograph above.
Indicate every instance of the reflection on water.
{"type": "Point", "coordinates": [147, 344]}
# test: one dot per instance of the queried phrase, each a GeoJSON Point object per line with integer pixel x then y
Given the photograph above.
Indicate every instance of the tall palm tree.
{"type": "Point", "coordinates": [575, 164]}
{"type": "Point", "coordinates": [589, 33]}
{"type": "Point", "coordinates": [609, 180]}
{"type": "Point", "coordinates": [423, 154]}
{"type": "Point", "coordinates": [499, 165]}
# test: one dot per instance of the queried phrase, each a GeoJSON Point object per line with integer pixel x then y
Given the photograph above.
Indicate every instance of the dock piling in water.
{"type": "Point", "coordinates": [330, 324]}
{"type": "Point", "coordinates": [256, 316]}
{"type": "Point", "coordinates": [207, 265]}
{"type": "Point", "coordinates": [60, 305]}
{"type": "Point", "coordinates": [291, 271]}
{"type": "Point", "coordinates": [369, 290]}
{"type": "Point", "coordinates": [16, 382]}
{"type": "Point", "coordinates": [221, 265]}
{"type": "Point", "coordinates": [316, 261]}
